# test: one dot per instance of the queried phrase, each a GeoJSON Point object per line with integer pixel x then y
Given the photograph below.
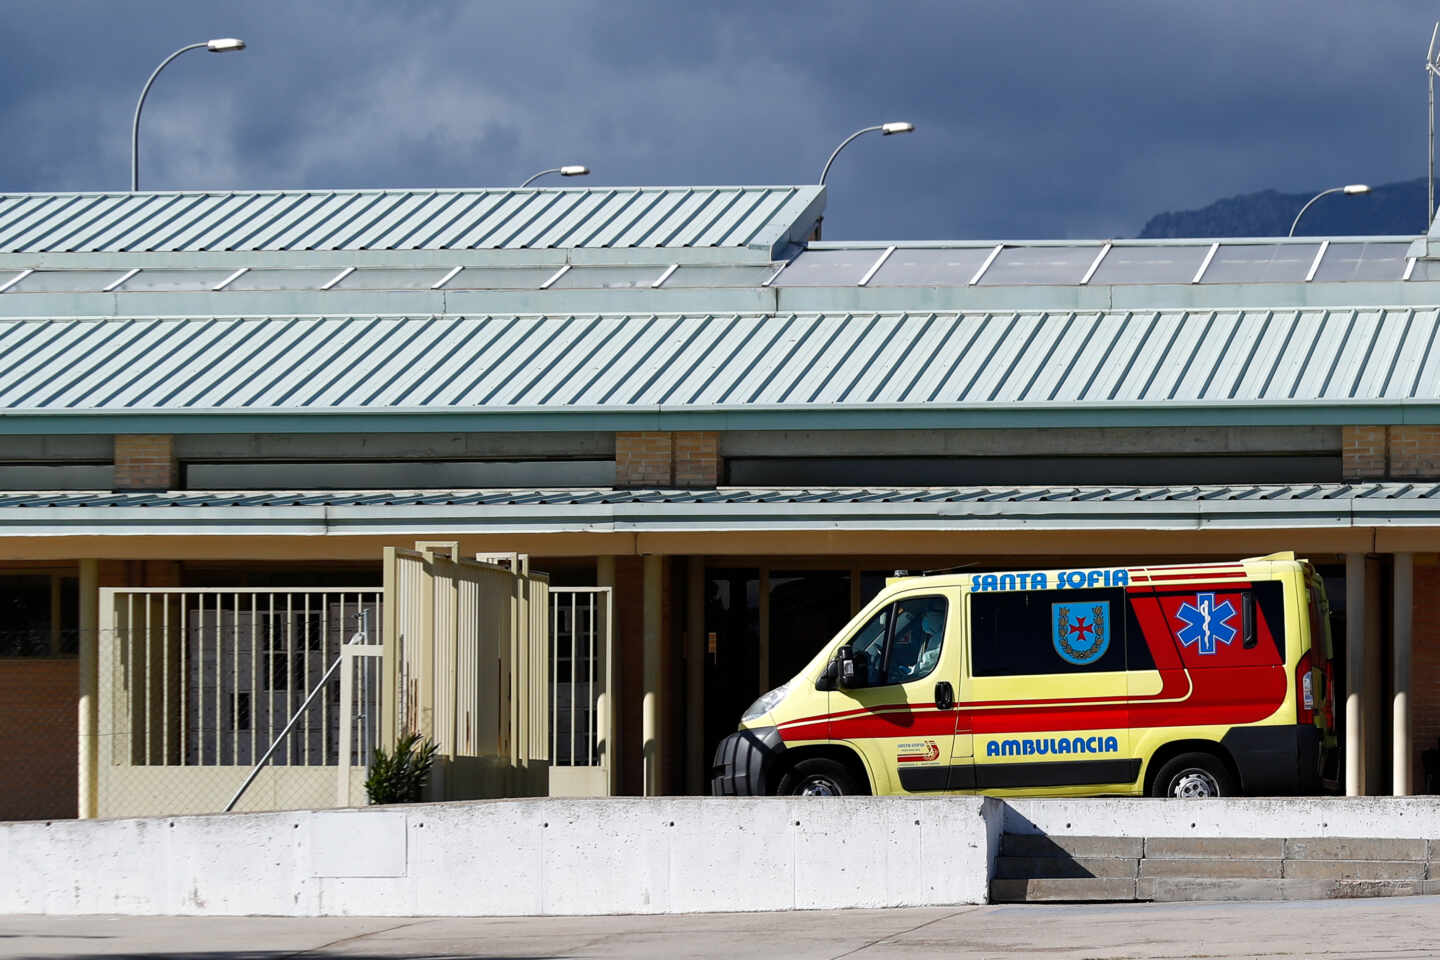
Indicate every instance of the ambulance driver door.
{"type": "Point", "coordinates": [897, 704]}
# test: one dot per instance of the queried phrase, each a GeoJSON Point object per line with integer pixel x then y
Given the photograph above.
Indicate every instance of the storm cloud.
{"type": "Point", "coordinates": [1036, 118]}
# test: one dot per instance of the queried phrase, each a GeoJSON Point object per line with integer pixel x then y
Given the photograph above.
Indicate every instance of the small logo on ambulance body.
{"type": "Point", "coordinates": [1205, 624]}
{"type": "Point", "coordinates": [1081, 631]}
{"type": "Point", "coordinates": [918, 751]}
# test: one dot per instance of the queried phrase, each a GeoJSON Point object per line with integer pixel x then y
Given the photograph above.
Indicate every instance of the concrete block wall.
{"type": "Point", "coordinates": [509, 858]}
{"type": "Point", "coordinates": [145, 462]}
{"type": "Point", "coordinates": [1378, 817]}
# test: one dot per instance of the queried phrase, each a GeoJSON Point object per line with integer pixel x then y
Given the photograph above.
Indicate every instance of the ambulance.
{"type": "Point", "coordinates": [1196, 680]}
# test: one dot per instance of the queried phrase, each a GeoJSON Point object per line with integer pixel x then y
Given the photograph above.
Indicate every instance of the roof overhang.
{"type": "Point", "coordinates": [1079, 509]}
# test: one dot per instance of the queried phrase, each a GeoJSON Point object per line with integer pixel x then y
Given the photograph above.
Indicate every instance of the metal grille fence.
{"type": "Point", "coordinates": [196, 685]}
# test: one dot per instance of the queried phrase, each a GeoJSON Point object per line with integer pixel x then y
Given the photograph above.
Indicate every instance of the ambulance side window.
{"type": "Point", "coordinates": [901, 643]}
{"type": "Point", "coordinates": [1031, 632]}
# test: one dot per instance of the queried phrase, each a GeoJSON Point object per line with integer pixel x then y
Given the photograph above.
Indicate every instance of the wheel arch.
{"type": "Point", "coordinates": [1171, 749]}
{"type": "Point", "coordinates": [840, 753]}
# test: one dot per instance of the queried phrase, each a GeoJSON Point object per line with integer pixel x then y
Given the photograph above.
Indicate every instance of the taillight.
{"type": "Point", "coordinates": [1304, 690]}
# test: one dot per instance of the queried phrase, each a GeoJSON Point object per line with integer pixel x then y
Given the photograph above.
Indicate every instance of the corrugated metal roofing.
{"type": "Point", "coordinates": [734, 496]}
{"type": "Point", "coordinates": [563, 363]}
{"type": "Point", "coordinates": [604, 510]}
{"type": "Point", "coordinates": [504, 219]}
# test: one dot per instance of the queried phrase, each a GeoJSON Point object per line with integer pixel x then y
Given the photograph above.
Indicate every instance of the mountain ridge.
{"type": "Point", "coordinates": [1390, 209]}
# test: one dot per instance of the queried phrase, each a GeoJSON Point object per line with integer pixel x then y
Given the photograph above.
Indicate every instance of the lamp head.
{"type": "Point", "coordinates": [224, 44]}
{"type": "Point", "coordinates": [898, 126]}
{"type": "Point", "coordinates": [1354, 188]}
{"type": "Point", "coordinates": [575, 170]}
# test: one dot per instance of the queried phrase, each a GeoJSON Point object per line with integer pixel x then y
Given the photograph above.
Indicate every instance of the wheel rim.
{"type": "Point", "coordinates": [819, 786]}
{"type": "Point", "coordinates": [1194, 785]}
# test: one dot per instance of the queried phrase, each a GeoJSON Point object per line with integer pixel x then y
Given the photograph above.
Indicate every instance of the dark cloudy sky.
{"type": "Point", "coordinates": [1037, 118]}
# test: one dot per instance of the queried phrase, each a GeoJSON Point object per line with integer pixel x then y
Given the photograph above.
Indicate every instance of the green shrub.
{"type": "Point", "coordinates": [399, 777]}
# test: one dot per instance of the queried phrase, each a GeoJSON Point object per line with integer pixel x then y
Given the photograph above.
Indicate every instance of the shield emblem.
{"type": "Point", "coordinates": [1080, 631]}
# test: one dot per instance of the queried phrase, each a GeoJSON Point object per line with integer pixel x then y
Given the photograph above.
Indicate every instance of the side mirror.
{"type": "Point", "coordinates": [827, 678]}
{"type": "Point", "coordinates": [848, 676]}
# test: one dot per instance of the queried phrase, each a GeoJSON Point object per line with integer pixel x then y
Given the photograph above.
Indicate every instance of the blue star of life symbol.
{"type": "Point", "coordinates": [1205, 623]}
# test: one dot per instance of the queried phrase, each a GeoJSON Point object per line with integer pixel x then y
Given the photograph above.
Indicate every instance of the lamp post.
{"type": "Point", "coordinates": [569, 170]}
{"type": "Point", "coordinates": [219, 45]}
{"type": "Point", "coordinates": [884, 129]}
{"type": "Point", "coordinates": [1432, 67]}
{"type": "Point", "coordinates": [1352, 189]}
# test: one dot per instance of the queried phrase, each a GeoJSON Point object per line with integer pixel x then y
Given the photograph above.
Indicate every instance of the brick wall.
{"type": "Point", "coordinates": [1415, 452]}
{"type": "Point", "coordinates": [145, 462]}
{"type": "Point", "coordinates": [1363, 452]}
{"type": "Point", "coordinates": [697, 459]}
{"type": "Point", "coordinates": [1409, 452]}
{"type": "Point", "coordinates": [644, 459]}
{"type": "Point", "coordinates": [686, 458]}
{"type": "Point", "coordinates": [38, 751]}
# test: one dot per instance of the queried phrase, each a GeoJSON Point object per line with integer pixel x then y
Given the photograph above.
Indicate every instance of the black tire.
{"type": "Point", "coordinates": [818, 777]}
{"type": "Point", "coordinates": [1194, 776]}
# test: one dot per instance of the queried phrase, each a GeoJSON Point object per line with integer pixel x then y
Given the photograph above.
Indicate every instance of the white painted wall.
{"type": "Point", "coordinates": [1404, 817]}
{"type": "Point", "coordinates": [511, 857]}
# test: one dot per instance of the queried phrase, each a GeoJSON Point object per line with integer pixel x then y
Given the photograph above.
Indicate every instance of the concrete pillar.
{"type": "Point", "coordinates": [1354, 674]}
{"type": "Point", "coordinates": [650, 711]}
{"type": "Point", "coordinates": [88, 794]}
{"type": "Point", "coordinates": [1402, 751]}
{"type": "Point", "coordinates": [696, 762]}
{"type": "Point", "coordinates": [610, 747]}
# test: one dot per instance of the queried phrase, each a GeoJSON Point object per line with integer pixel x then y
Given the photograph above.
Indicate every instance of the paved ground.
{"type": "Point", "coordinates": [1387, 928]}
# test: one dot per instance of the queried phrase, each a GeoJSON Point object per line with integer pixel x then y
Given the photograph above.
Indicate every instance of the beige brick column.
{"type": "Point", "coordinates": [1364, 452]}
{"type": "Point", "coordinates": [645, 459]}
{"type": "Point", "coordinates": [1414, 452]}
{"type": "Point", "coordinates": [697, 459]}
{"type": "Point", "coordinates": [145, 462]}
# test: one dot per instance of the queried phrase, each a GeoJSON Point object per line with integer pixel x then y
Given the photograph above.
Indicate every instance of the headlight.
{"type": "Point", "coordinates": [766, 703]}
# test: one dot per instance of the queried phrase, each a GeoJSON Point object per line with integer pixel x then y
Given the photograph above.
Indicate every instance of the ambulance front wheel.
{"type": "Point", "coordinates": [1194, 776]}
{"type": "Point", "coordinates": [818, 777]}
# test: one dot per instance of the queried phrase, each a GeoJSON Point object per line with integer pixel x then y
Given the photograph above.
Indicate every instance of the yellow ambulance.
{"type": "Point", "coordinates": [1195, 680]}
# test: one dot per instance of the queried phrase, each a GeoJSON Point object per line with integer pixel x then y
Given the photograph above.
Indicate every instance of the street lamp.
{"type": "Point", "coordinates": [1352, 189]}
{"type": "Point", "coordinates": [884, 129]}
{"type": "Point", "coordinates": [569, 170]}
{"type": "Point", "coordinates": [219, 45]}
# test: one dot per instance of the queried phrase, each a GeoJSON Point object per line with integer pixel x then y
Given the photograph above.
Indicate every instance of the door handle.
{"type": "Point", "coordinates": [944, 695]}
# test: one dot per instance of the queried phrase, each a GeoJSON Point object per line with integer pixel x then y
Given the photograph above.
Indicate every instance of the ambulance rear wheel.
{"type": "Point", "coordinates": [1194, 776]}
{"type": "Point", "coordinates": [818, 777]}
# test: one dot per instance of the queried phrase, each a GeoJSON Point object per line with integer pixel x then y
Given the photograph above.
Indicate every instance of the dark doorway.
{"type": "Point", "coordinates": [807, 607]}
{"type": "Point", "coordinates": [732, 644]}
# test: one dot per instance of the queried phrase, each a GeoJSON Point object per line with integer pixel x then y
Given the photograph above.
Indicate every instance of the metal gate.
{"type": "Point", "coordinates": [582, 703]}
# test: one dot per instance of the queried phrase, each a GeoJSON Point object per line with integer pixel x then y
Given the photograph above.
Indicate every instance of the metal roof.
{"type": "Point", "coordinates": [902, 265]}
{"type": "Point", "coordinates": [606, 510]}
{"type": "Point", "coordinates": [1374, 365]}
{"type": "Point", "coordinates": [757, 218]}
